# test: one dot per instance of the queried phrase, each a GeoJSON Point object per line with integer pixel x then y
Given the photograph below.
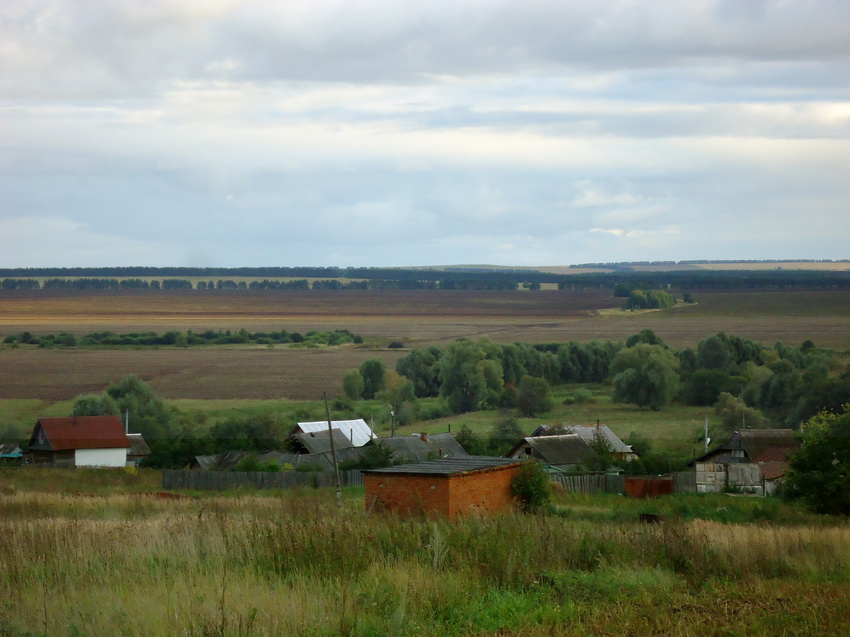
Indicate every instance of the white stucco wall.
{"type": "Point", "coordinates": [100, 457]}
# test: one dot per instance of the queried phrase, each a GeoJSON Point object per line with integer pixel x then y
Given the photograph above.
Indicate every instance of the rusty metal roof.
{"type": "Point", "coordinates": [776, 453]}
{"type": "Point", "coordinates": [79, 432]}
{"type": "Point", "coordinates": [758, 441]}
{"type": "Point", "coordinates": [449, 466]}
{"type": "Point", "coordinates": [773, 470]}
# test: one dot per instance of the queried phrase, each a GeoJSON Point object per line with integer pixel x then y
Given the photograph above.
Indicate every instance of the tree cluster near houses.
{"type": "Point", "coordinates": [744, 381]}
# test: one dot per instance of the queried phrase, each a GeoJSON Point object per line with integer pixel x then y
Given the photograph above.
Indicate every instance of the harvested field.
{"type": "Point", "coordinates": [417, 318]}
{"type": "Point", "coordinates": [204, 373]}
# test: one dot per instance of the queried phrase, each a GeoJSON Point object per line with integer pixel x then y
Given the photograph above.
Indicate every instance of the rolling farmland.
{"type": "Point", "coordinates": [416, 318]}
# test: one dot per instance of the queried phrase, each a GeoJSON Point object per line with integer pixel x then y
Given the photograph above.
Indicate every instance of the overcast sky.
{"type": "Point", "coordinates": [392, 133]}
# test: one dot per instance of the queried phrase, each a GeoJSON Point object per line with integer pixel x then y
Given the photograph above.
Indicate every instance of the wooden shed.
{"type": "Point", "coordinates": [449, 487]}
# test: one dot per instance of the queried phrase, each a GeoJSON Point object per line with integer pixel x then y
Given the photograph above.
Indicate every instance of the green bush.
{"type": "Point", "coordinates": [531, 487]}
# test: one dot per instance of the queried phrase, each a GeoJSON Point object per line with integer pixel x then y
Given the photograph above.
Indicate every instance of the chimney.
{"type": "Point", "coordinates": [423, 437]}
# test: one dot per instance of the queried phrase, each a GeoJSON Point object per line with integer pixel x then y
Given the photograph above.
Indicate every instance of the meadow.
{"type": "Point", "coordinates": [81, 556]}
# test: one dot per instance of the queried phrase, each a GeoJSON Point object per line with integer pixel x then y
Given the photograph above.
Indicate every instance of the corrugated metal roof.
{"type": "Point", "coordinates": [775, 453]}
{"type": "Point", "coordinates": [10, 450]}
{"type": "Point", "coordinates": [355, 430]}
{"type": "Point", "coordinates": [79, 432]}
{"type": "Point", "coordinates": [415, 449]}
{"type": "Point", "coordinates": [773, 470]}
{"type": "Point", "coordinates": [449, 466]}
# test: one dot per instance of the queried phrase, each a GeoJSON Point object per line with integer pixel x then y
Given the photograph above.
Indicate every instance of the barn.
{"type": "Point", "coordinates": [79, 441]}
{"type": "Point", "coordinates": [449, 487]}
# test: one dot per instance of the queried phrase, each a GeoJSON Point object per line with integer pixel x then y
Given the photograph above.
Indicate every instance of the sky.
{"type": "Point", "coordinates": [231, 133]}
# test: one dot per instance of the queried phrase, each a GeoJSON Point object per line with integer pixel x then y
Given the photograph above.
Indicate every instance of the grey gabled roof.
{"type": "Point", "coordinates": [320, 441]}
{"type": "Point", "coordinates": [587, 432]}
{"type": "Point", "coordinates": [563, 450]}
{"type": "Point", "coordinates": [138, 446]}
{"type": "Point", "coordinates": [415, 449]}
{"type": "Point", "coordinates": [448, 466]}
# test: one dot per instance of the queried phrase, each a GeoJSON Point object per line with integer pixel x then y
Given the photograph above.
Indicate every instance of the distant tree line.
{"type": "Point", "coordinates": [622, 281]}
{"type": "Point", "coordinates": [185, 339]}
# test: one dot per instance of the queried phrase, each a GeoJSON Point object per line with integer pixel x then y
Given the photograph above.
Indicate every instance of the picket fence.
{"type": "Point", "coordinates": [224, 480]}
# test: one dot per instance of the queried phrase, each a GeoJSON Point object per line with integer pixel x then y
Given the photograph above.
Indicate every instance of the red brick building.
{"type": "Point", "coordinates": [449, 487]}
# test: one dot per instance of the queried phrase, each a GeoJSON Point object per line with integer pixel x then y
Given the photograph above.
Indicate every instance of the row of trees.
{"type": "Point", "coordinates": [185, 339]}
{"type": "Point", "coordinates": [266, 284]}
{"type": "Point", "coordinates": [622, 281]}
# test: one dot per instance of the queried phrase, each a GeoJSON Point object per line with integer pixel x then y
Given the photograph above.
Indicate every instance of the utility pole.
{"type": "Point", "coordinates": [333, 453]}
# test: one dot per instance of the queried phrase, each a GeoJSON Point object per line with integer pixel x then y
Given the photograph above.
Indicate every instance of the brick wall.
{"type": "Point", "coordinates": [480, 492]}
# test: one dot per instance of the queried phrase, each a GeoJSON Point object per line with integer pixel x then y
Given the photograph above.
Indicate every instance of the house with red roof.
{"type": "Point", "coordinates": [79, 441]}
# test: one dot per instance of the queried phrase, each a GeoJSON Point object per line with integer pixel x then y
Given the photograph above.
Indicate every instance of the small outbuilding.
{"type": "Point", "coordinates": [752, 460]}
{"type": "Point", "coordinates": [449, 487]}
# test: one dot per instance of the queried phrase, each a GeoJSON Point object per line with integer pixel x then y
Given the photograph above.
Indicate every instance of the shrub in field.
{"type": "Point", "coordinates": [531, 487]}
{"type": "Point", "coordinates": [352, 384]}
{"type": "Point", "coordinates": [252, 463]}
{"type": "Point", "coordinates": [373, 372]}
{"type": "Point", "coordinates": [533, 396]}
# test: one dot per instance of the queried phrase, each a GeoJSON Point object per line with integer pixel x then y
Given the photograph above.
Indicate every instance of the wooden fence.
{"type": "Point", "coordinates": [591, 483]}
{"type": "Point", "coordinates": [224, 480]}
{"type": "Point", "coordinates": [683, 482]}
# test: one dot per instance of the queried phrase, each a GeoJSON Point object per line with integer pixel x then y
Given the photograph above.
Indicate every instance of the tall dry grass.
{"type": "Point", "coordinates": [295, 564]}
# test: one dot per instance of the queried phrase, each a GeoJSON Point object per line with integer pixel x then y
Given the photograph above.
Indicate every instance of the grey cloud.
{"type": "Point", "coordinates": [94, 48]}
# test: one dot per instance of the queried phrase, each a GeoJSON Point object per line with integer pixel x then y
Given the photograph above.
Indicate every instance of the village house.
{"type": "Point", "coordinates": [422, 447]}
{"type": "Point", "coordinates": [79, 441]}
{"type": "Point", "coordinates": [752, 460]}
{"type": "Point", "coordinates": [449, 487]}
{"type": "Point", "coordinates": [560, 453]}
{"type": "Point", "coordinates": [620, 451]}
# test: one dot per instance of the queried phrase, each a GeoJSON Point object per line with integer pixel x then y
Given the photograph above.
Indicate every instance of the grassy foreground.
{"type": "Point", "coordinates": [292, 563]}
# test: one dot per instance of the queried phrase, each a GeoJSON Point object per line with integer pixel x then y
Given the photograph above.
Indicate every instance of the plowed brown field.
{"type": "Point", "coordinates": [418, 318]}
